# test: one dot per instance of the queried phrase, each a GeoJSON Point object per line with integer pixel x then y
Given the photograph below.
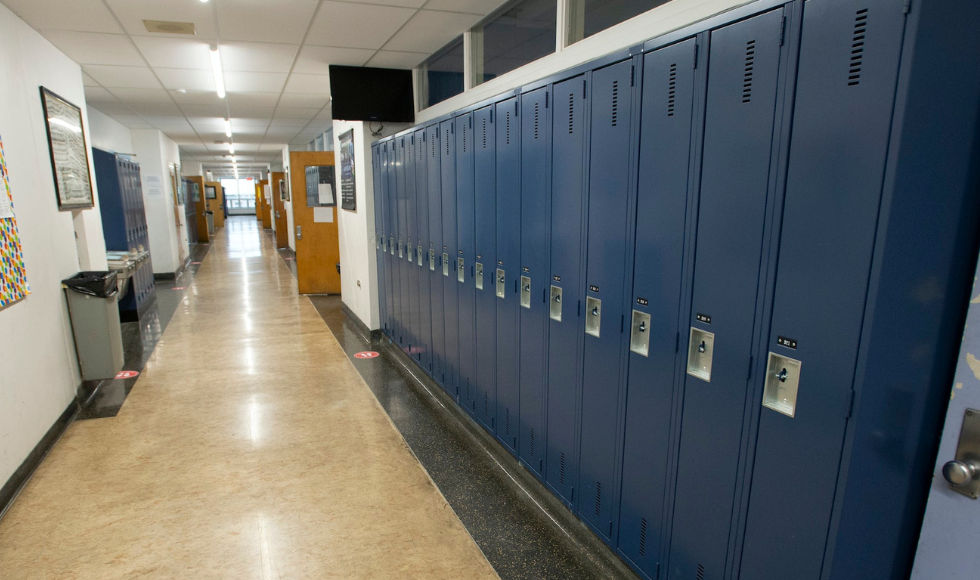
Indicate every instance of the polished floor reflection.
{"type": "Point", "coordinates": [248, 448]}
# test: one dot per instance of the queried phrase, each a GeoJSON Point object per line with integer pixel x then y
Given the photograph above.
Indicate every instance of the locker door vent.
{"type": "Point", "coordinates": [532, 442]}
{"type": "Point", "coordinates": [486, 405]}
{"type": "Point", "coordinates": [447, 146]}
{"type": "Point", "coordinates": [433, 140]}
{"type": "Point", "coordinates": [749, 65]}
{"type": "Point", "coordinates": [700, 575]}
{"type": "Point", "coordinates": [508, 127]}
{"type": "Point", "coordinates": [484, 133]}
{"type": "Point", "coordinates": [615, 103]}
{"type": "Point", "coordinates": [671, 90]}
{"type": "Point", "coordinates": [571, 113]}
{"type": "Point", "coordinates": [598, 498]}
{"type": "Point", "coordinates": [535, 120]}
{"type": "Point", "coordinates": [561, 470]}
{"type": "Point", "coordinates": [507, 420]}
{"type": "Point", "coordinates": [857, 47]}
{"type": "Point", "coordinates": [643, 537]}
{"type": "Point", "coordinates": [464, 138]}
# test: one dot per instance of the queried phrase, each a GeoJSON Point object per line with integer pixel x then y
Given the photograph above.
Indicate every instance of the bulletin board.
{"type": "Point", "coordinates": [13, 276]}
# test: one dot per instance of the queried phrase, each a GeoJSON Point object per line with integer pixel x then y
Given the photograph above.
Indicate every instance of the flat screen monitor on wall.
{"type": "Point", "coordinates": [371, 94]}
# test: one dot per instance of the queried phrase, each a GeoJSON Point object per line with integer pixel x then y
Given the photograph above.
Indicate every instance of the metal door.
{"type": "Point", "coordinates": [484, 144]}
{"type": "Point", "coordinates": [607, 246]}
{"type": "Point", "coordinates": [437, 366]}
{"type": "Point", "coordinates": [744, 60]}
{"type": "Point", "coordinates": [449, 249]}
{"type": "Point", "coordinates": [465, 253]}
{"type": "Point", "coordinates": [423, 343]}
{"type": "Point", "coordinates": [506, 271]}
{"type": "Point", "coordinates": [848, 67]}
{"type": "Point", "coordinates": [663, 184]}
{"type": "Point", "coordinates": [411, 236]}
{"type": "Point", "coordinates": [533, 281]}
{"type": "Point", "coordinates": [566, 293]}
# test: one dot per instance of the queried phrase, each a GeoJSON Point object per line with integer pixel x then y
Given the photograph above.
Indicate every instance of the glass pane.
{"type": "Point", "coordinates": [522, 32]}
{"type": "Point", "coordinates": [594, 16]}
{"type": "Point", "coordinates": [443, 73]}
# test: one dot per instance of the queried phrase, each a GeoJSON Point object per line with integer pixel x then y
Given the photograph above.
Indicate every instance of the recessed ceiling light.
{"type": "Point", "coordinates": [219, 77]}
{"type": "Point", "coordinates": [182, 91]}
{"type": "Point", "coordinates": [227, 127]}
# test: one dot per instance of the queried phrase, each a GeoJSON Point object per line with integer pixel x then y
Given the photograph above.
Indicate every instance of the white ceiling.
{"type": "Point", "coordinates": [274, 53]}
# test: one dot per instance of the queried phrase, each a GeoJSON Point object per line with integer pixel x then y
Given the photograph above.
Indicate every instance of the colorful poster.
{"type": "Point", "coordinates": [13, 277]}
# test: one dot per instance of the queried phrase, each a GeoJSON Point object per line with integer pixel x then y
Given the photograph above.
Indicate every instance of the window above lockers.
{"type": "Point", "coordinates": [519, 32]}
{"type": "Point", "coordinates": [441, 75]}
{"type": "Point", "coordinates": [587, 17]}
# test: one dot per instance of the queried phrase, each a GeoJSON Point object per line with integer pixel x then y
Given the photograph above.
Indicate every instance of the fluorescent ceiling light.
{"type": "Point", "coordinates": [231, 148]}
{"type": "Point", "coordinates": [227, 127]}
{"type": "Point", "coordinates": [219, 78]}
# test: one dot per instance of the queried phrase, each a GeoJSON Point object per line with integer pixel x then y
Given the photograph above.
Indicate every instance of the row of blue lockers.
{"type": "Point", "coordinates": [666, 282]}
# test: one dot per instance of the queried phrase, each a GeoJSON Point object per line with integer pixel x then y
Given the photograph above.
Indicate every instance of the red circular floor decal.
{"type": "Point", "coordinates": [179, 288]}
{"type": "Point", "coordinates": [367, 354]}
{"type": "Point", "coordinates": [127, 374]}
{"type": "Point", "coordinates": [195, 263]}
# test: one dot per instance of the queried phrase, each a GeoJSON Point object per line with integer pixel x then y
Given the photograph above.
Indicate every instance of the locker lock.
{"type": "Point", "coordinates": [642, 327]}
{"type": "Point", "coordinates": [782, 375]}
{"type": "Point", "coordinates": [702, 347]}
{"type": "Point", "coordinates": [595, 311]}
{"type": "Point", "coordinates": [558, 298]}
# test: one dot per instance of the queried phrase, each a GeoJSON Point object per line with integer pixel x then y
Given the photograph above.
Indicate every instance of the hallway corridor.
{"type": "Point", "coordinates": [249, 448]}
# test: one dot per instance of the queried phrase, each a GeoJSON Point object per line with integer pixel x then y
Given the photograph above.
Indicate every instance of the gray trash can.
{"type": "Point", "coordinates": [209, 215]}
{"type": "Point", "coordinates": [94, 309]}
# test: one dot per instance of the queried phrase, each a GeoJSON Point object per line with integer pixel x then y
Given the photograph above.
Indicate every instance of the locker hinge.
{"type": "Point", "coordinates": [632, 73]}
{"type": "Point", "coordinates": [782, 31]}
{"type": "Point", "coordinates": [907, 7]}
{"type": "Point", "coordinates": [697, 47]}
{"type": "Point", "coordinates": [677, 342]}
{"type": "Point", "coordinates": [750, 369]}
{"type": "Point", "coordinates": [850, 405]}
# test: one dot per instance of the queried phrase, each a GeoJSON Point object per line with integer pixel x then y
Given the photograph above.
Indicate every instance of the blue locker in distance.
{"type": "Point", "coordinates": [450, 305]}
{"type": "Point", "coordinates": [434, 256]}
{"type": "Point", "coordinates": [666, 117]}
{"type": "Point", "coordinates": [566, 292]}
{"type": "Point", "coordinates": [401, 228]}
{"type": "Point", "coordinates": [394, 305]}
{"type": "Point", "coordinates": [605, 303]}
{"type": "Point", "coordinates": [744, 60]}
{"type": "Point", "coordinates": [506, 271]}
{"type": "Point", "coordinates": [841, 125]}
{"type": "Point", "coordinates": [465, 253]}
{"type": "Point", "coordinates": [411, 236]}
{"type": "Point", "coordinates": [424, 334]}
{"type": "Point", "coordinates": [533, 282]}
{"type": "Point", "coordinates": [379, 234]}
{"type": "Point", "coordinates": [485, 230]}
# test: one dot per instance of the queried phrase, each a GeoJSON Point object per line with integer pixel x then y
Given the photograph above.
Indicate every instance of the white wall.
{"type": "Point", "coordinates": [657, 22]}
{"type": "Point", "coordinates": [38, 368]}
{"type": "Point", "coordinates": [156, 153]}
{"type": "Point", "coordinates": [109, 134]}
{"type": "Point", "coordinates": [192, 168]}
{"type": "Point", "coordinates": [290, 228]}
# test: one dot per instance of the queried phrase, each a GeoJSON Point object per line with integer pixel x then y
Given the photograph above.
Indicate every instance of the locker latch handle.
{"type": "Point", "coordinates": [527, 287]}
{"type": "Point", "coordinates": [782, 376]}
{"type": "Point", "coordinates": [558, 298]}
{"type": "Point", "coordinates": [595, 311]}
{"type": "Point", "coordinates": [642, 327]}
{"type": "Point", "coordinates": [701, 347]}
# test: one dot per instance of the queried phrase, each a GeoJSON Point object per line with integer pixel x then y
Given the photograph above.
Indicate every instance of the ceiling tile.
{"type": "Point", "coordinates": [145, 109]}
{"type": "Point", "coordinates": [253, 99]}
{"type": "Point", "coordinates": [83, 15]}
{"type": "Point", "coordinates": [395, 59]}
{"type": "Point", "coordinates": [197, 82]}
{"type": "Point", "coordinates": [142, 96]}
{"type": "Point", "coordinates": [132, 121]}
{"type": "Point", "coordinates": [215, 111]}
{"type": "Point", "coordinates": [130, 77]}
{"type": "Point", "coordinates": [88, 81]}
{"type": "Point", "coordinates": [317, 59]}
{"type": "Point", "coordinates": [98, 95]}
{"type": "Point", "coordinates": [356, 25]}
{"type": "Point", "coordinates": [113, 108]}
{"type": "Point", "coordinates": [254, 82]}
{"type": "Point", "coordinates": [295, 113]}
{"type": "Point", "coordinates": [132, 13]}
{"type": "Point", "coordinates": [429, 30]}
{"type": "Point", "coordinates": [257, 56]}
{"type": "Point", "coordinates": [309, 101]}
{"type": "Point", "coordinates": [168, 52]}
{"type": "Point", "coordinates": [253, 112]}
{"type": "Point", "coordinates": [481, 7]}
{"type": "Point", "coordinates": [91, 48]}
{"type": "Point", "coordinates": [316, 84]}
{"type": "Point", "coordinates": [263, 21]}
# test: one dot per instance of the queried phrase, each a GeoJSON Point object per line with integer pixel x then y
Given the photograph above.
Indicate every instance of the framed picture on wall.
{"type": "Point", "coordinates": [69, 152]}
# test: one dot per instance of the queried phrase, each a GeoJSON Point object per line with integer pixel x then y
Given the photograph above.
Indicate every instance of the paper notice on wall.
{"type": "Point", "coordinates": [6, 208]}
{"type": "Point", "coordinates": [154, 184]}
{"type": "Point", "coordinates": [326, 194]}
{"type": "Point", "coordinates": [323, 215]}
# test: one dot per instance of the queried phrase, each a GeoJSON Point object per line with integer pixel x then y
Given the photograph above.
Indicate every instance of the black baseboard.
{"type": "Point", "coordinates": [10, 490]}
{"type": "Point", "coordinates": [372, 335]}
{"type": "Point", "coordinates": [165, 276]}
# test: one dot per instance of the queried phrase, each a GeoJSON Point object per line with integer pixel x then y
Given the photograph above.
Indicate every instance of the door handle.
{"type": "Point", "coordinates": [963, 472]}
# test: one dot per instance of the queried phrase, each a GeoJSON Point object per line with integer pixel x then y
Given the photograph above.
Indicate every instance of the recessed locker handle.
{"type": "Point", "coordinates": [639, 337]}
{"type": "Point", "coordinates": [593, 322]}
{"type": "Point", "coordinates": [555, 310]}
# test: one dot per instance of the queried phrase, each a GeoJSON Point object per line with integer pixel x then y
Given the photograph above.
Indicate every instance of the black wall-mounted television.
{"type": "Point", "coordinates": [371, 94]}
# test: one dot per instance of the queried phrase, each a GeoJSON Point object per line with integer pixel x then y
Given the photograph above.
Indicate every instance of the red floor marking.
{"type": "Point", "coordinates": [367, 354]}
{"type": "Point", "coordinates": [127, 374]}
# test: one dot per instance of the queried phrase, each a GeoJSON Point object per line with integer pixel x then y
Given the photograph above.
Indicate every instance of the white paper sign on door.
{"type": "Point", "coordinates": [323, 215]}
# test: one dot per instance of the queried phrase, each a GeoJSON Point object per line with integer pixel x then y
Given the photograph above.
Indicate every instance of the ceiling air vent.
{"type": "Point", "coordinates": [164, 27]}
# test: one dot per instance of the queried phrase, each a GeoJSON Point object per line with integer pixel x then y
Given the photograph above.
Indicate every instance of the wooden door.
{"type": "Point", "coordinates": [199, 207]}
{"type": "Point", "coordinates": [264, 204]}
{"type": "Point", "coordinates": [258, 203]}
{"type": "Point", "coordinates": [217, 205]}
{"type": "Point", "coordinates": [279, 210]}
{"type": "Point", "coordinates": [317, 243]}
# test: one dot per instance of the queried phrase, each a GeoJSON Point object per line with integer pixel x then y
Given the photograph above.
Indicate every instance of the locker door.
{"type": "Point", "coordinates": [484, 265]}
{"type": "Point", "coordinates": [424, 337]}
{"type": "Point", "coordinates": [848, 68]}
{"type": "Point", "coordinates": [533, 282]}
{"type": "Point", "coordinates": [464, 261]}
{"type": "Point", "coordinates": [662, 198]}
{"type": "Point", "coordinates": [450, 293]}
{"type": "Point", "coordinates": [507, 271]}
{"type": "Point", "coordinates": [411, 237]}
{"type": "Point", "coordinates": [566, 294]}
{"type": "Point", "coordinates": [394, 310]}
{"type": "Point", "coordinates": [744, 61]}
{"type": "Point", "coordinates": [434, 271]}
{"type": "Point", "coordinates": [401, 234]}
{"type": "Point", "coordinates": [379, 236]}
{"type": "Point", "coordinates": [604, 308]}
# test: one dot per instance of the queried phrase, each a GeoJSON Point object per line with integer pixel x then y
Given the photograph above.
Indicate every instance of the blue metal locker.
{"type": "Point", "coordinates": [533, 282]}
{"type": "Point", "coordinates": [411, 236]}
{"type": "Point", "coordinates": [394, 305]}
{"type": "Point", "coordinates": [447, 150]}
{"type": "Point", "coordinates": [465, 253]}
{"type": "Point", "coordinates": [423, 344]}
{"type": "Point", "coordinates": [744, 61]}
{"type": "Point", "coordinates": [506, 271]}
{"type": "Point", "coordinates": [605, 302]}
{"type": "Point", "coordinates": [566, 292]}
{"type": "Point", "coordinates": [848, 69]}
{"type": "Point", "coordinates": [485, 229]}
{"type": "Point", "coordinates": [379, 237]}
{"type": "Point", "coordinates": [434, 271]}
{"type": "Point", "coordinates": [666, 118]}
{"type": "Point", "coordinates": [398, 194]}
